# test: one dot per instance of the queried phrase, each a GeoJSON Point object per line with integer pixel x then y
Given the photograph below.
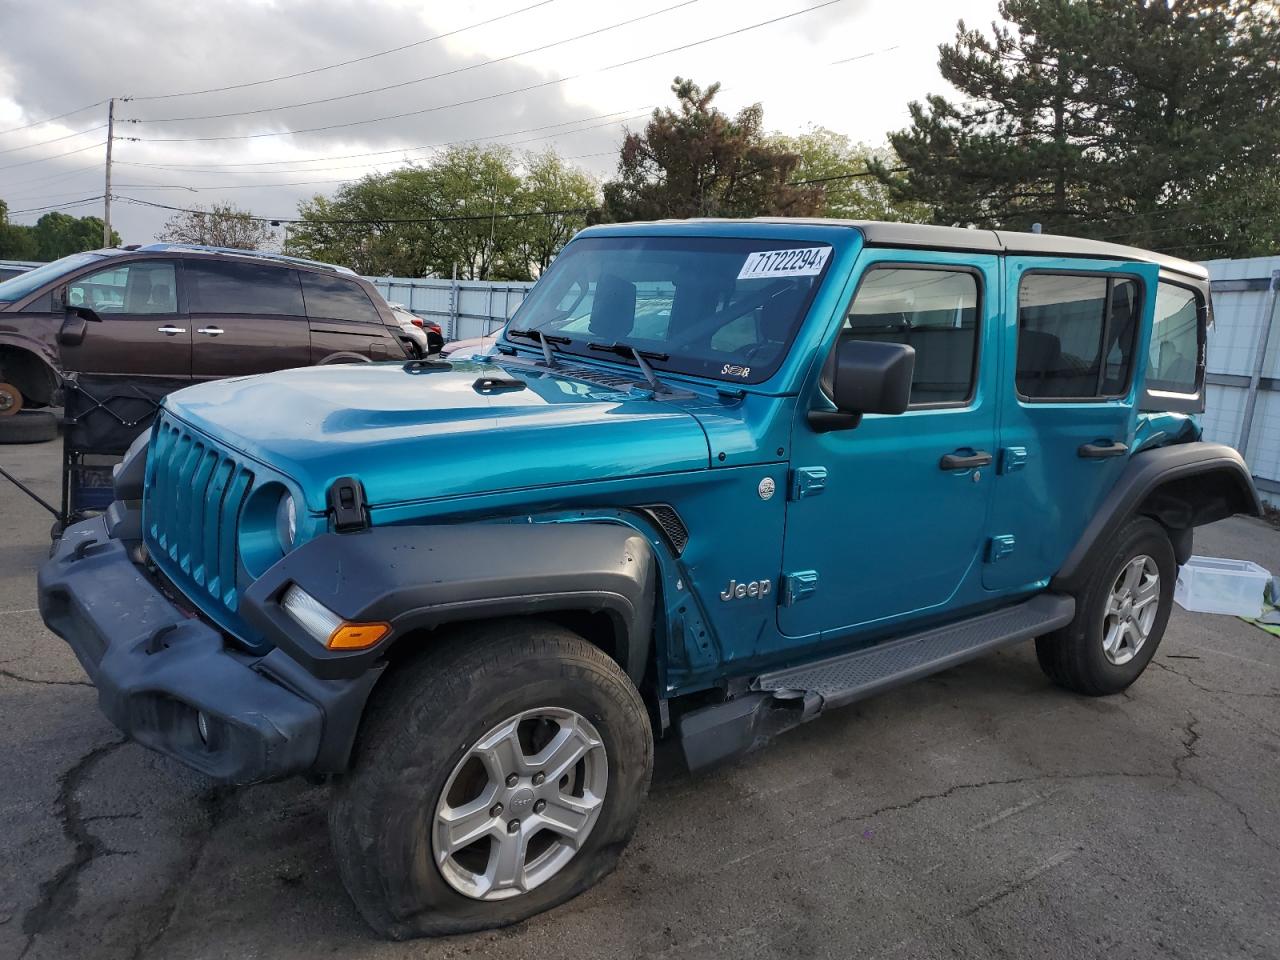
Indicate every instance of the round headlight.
{"type": "Point", "coordinates": [286, 522]}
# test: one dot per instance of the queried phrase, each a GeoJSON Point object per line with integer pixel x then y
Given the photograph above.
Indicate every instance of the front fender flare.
{"type": "Point", "coordinates": [1181, 466]}
{"type": "Point", "coordinates": [423, 577]}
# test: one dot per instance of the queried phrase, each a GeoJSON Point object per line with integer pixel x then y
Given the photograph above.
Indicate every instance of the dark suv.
{"type": "Point", "coordinates": [183, 311]}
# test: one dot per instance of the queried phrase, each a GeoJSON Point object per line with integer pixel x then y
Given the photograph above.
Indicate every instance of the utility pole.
{"type": "Point", "coordinates": [106, 194]}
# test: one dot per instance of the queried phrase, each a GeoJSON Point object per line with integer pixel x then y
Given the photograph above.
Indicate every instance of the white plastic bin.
{"type": "Point", "coordinates": [1215, 585]}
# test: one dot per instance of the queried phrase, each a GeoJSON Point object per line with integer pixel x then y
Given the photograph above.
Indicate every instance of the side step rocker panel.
{"type": "Point", "coordinates": [785, 698]}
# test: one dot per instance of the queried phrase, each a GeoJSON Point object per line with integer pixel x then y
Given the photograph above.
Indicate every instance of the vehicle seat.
{"type": "Point", "coordinates": [613, 309]}
{"type": "Point", "coordinates": [140, 294]}
{"type": "Point", "coordinates": [160, 297]}
{"type": "Point", "coordinates": [1039, 364]}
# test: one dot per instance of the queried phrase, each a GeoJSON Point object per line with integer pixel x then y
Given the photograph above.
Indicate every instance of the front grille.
{"type": "Point", "coordinates": [191, 512]}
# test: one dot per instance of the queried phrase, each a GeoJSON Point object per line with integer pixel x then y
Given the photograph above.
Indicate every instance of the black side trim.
{"type": "Point", "coordinates": [1183, 485]}
{"type": "Point", "coordinates": [419, 578]}
{"type": "Point", "coordinates": [668, 520]}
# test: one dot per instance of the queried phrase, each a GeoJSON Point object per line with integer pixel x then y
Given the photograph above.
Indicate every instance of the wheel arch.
{"type": "Point", "coordinates": [597, 579]}
{"type": "Point", "coordinates": [1181, 486]}
{"type": "Point", "coordinates": [29, 372]}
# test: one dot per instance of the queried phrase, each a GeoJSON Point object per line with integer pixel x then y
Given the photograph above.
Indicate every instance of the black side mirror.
{"type": "Point", "coordinates": [866, 376]}
{"type": "Point", "coordinates": [75, 324]}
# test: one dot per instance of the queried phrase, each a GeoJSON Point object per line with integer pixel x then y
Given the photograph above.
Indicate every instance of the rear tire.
{"type": "Point", "coordinates": [1113, 636]}
{"type": "Point", "coordinates": [435, 716]}
{"type": "Point", "coordinates": [29, 426]}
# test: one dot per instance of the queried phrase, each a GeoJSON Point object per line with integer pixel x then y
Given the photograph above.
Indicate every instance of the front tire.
{"type": "Point", "coordinates": [494, 778]}
{"type": "Point", "coordinates": [1121, 615]}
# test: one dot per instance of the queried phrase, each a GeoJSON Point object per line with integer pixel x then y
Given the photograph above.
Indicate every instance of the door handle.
{"type": "Point", "coordinates": [210, 331]}
{"type": "Point", "coordinates": [1102, 448]}
{"type": "Point", "coordinates": [169, 330]}
{"type": "Point", "coordinates": [964, 461]}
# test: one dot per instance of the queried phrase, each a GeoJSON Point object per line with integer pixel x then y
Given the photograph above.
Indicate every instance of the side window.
{"type": "Point", "coordinates": [221, 286]}
{"type": "Point", "coordinates": [1175, 340]}
{"type": "Point", "coordinates": [140, 287]}
{"type": "Point", "coordinates": [1075, 335]}
{"type": "Point", "coordinates": [336, 298]}
{"type": "Point", "coordinates": [933, 310]}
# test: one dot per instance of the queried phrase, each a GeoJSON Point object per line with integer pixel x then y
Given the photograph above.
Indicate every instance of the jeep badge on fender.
{"type": "Point", "coordinates": [755, 589]}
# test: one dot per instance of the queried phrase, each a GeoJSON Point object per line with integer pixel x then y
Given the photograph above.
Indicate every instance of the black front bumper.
{"type": "Point", "coordinates": [158, 669]}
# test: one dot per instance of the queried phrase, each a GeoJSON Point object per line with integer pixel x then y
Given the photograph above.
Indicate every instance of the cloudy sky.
{"type": "Point", "coordinates": [212, 123]}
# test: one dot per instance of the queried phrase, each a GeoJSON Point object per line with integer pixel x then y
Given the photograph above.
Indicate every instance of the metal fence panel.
{"type": "Point", "coordinates": [463, 308]}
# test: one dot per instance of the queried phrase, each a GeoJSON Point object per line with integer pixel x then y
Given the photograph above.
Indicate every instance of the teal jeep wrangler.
{"type": "Point", "coordinates": [715, 478]}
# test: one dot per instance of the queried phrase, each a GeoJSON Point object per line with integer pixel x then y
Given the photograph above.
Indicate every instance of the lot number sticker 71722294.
{"type": "Point", "coordinates": [804, 262]}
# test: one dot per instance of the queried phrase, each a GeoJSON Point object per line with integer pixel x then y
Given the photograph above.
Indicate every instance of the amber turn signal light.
{"type": "Point", "coordinates": [357, 636]}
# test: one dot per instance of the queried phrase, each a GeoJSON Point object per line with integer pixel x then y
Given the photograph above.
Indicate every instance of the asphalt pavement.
{"type": "Point", "coordinates": [982, 813]}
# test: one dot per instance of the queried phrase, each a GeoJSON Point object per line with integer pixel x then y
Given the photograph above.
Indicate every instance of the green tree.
{"type": "Point", "coordinates": [1151, 122]}
{"type": "Point", "coordinates": [840, 169]}
{"type": "Point", "coordinates": [549, 186]}
{"type": "Point", "coordinates": [221, 225]}
{"type": "Point", "coordinates": [466, 209]}
{"type": "Point", "coordinates": [697, 161]}
{"type": "Point", "coordinates": [54, 235]}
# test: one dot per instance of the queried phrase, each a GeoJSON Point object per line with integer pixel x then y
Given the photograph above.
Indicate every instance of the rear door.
{"type": "Point", "coordinates": [1075, 330]}
{"type": "Point", "coordinates": [246, 318]}
{"type": "Point", "coordinates": [344, 319]}
{"type": "Point", "coordinates": [144, 331]}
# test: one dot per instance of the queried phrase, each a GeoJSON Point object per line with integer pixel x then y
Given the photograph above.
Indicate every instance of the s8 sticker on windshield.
{"type": "Point", "coordinates": [804, 262]}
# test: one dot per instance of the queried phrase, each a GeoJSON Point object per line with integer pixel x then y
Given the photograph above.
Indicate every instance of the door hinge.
{"type": "Point", "coordinates": [807, 482]}
{"type": "Point", "coordinates": [1012, 458]}
{"type": "Point", "coordinates": [798, 586]}
{"type": "Point", "coordinates": [1000, 547]}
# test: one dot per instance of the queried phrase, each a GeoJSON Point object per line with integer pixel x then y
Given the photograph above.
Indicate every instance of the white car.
{"type": "Point", "coordinates": [425, 334]}
{"type": "Point", "coordinates": [472, 346]}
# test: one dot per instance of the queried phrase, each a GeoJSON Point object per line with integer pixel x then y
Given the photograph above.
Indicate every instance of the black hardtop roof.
{"type": "Point", "coordinates": [881, 233]}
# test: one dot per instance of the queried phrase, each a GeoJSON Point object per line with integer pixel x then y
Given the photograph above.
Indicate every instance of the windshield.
{"type": "Point", "coordinates": [723, 308]}
{"type": "Point", "coordinates": [31, 281]}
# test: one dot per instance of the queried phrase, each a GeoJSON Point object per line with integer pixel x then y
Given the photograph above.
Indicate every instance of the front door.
{"type": "Point", "coordinates": [246, 318]}
{"type": "Point", "coordinates": [1073, 329]}
{"type": "Point", "coordinates": [143, 332]}
{"type": "Point", "coordinates": [887, 521]}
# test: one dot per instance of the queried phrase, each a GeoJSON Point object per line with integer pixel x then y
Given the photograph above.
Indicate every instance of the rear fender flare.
{"type": "Point", "coordinates": [1182, 485]}
{"type": "Point", "coordinates": [419, 578]}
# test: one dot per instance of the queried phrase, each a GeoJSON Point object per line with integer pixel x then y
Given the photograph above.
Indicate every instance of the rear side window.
{"type": "Point", "coordinates": [219, 286]}
{"type": "Point", "coordinates": [1175, 340]}
{"type": "Point", "coordinates": [1075, 335]}
{"type": "Point", "coordinates": [934, 311]}
{"type": "Point", "coordinates": [336, 298]}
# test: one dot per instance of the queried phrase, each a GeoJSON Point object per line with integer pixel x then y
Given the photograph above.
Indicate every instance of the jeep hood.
{"type": "Point", "coordinates": [418, 432]}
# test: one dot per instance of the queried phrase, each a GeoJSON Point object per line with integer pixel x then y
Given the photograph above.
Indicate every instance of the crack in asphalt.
{"type": "Point", "coordinates": [60, 892]}
{"type": "Point", "coordinates": [51, 683]}
{"type": "Point", "coordinates": [1217, 690]}
{"type": "Point", "coordinates": [216, 803]}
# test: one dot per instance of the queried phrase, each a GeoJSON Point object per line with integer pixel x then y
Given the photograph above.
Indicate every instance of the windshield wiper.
{"type": "Point", "coordinates": [543, 339]}
{"type": "Point", "coordinates": [635, 353]}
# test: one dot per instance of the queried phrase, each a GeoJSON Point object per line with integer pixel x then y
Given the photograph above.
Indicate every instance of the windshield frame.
{"type": "Point", "coordinates": [35, 279]}
{"type": "Point", "coordinates": [679, 364]}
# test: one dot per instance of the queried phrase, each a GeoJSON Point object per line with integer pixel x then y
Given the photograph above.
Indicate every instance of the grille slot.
{"type": "Point", "coordinates": [672, 526]}
{"type": "Point", "coordinates": [191, 512]}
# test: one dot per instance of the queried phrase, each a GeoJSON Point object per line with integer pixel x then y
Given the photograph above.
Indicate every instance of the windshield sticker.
{"type": "Point", "coordinates": [804, 262]}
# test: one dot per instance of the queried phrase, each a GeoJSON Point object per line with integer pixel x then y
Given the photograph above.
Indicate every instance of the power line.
{"type": "Point", "coordinates": [57, 206]}
{"type": "Point", "coordinates": [209, 167]}
{"type": "Point", "coordinates": [346, 63]}
{"type": "Point", "coordinates": [460, 218]}
{"type": "Point", "coordinates": [36, 123]}
{"type": "Point", "coordinates": [417, 80]}
{"type": "Point", "coordinates": [27, 163]}
{"type": "Point", "coordinates": [53, 176]}
{"type": "Point", "coordinates": [80, 133]}
{"type": "Point", "coordinates": [505, 93]}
